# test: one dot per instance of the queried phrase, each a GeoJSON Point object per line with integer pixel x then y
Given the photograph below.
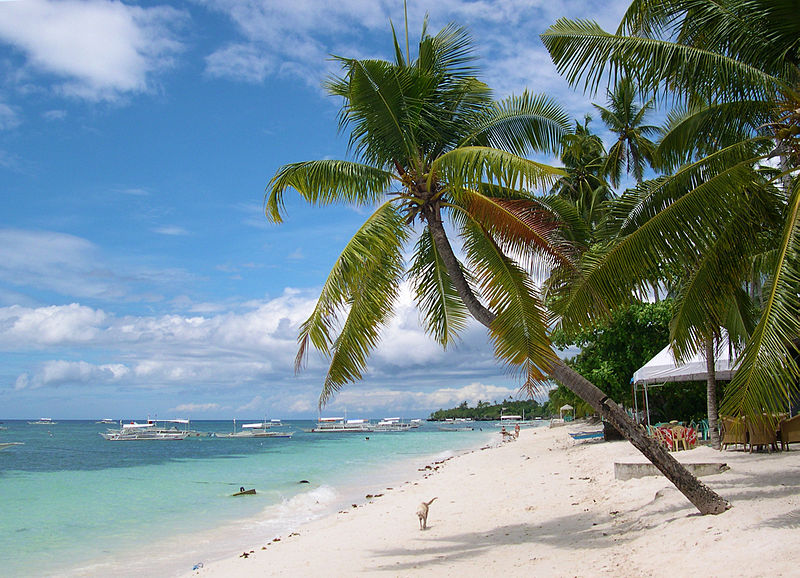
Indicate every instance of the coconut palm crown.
{"type": "Point", "coordinates": [432, 146]}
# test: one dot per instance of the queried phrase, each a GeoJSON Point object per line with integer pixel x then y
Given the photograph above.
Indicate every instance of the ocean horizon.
{"type": "Point", "coordinates": [76, 504]}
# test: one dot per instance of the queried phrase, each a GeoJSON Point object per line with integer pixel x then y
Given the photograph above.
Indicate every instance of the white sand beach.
{"type": "Point", "coordinates": [546, 505]}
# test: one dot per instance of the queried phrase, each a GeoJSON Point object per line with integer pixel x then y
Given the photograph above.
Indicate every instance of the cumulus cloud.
{"type": "Point", "coordinates": [59, 372]}
{"type": "Point", "coordinates": [242, 348]}
{"type": "Point", "coordinates": [99, 49]}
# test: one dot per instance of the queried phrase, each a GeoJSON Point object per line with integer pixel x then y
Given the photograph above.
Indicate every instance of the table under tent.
{"type": "Point", "coordinates": [664, 368]}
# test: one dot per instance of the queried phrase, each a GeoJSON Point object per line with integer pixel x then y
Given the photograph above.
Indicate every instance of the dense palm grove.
{"type": "Point", "coordinates": [709, 216]}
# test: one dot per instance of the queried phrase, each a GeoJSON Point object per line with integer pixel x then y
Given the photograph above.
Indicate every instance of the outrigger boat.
{"type": "Point", "coordinates": [148, 431]}
{"type": "Point", "coordinates": [342, 425]}
{"type": "Point", "coordinates": [394, 424]}
{"type": "Point", "coordinates": [257, 430]}
{"type": "Point", "coordinates": [43, 421]}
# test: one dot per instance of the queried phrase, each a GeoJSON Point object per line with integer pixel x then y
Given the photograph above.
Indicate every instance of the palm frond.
{"type": "Point", "coordinates": [382, 105]}
{"type": "Point", "coordinates": [768, 373]}
{"type": "Point", "coordinates": [520, 124]}
{"type": "Point", "coordinates": [522, 227]}
{"type": "Point", "coordinates": [669, 220]}
{"type": "Point", "coordinates": [467, 168]}
{"type": "Point", "coordinates": [363, 284]}
{"type": "Point", "coordinates": [581, 49]}
{"type": "Point", "coordinates": [441, 308]}
{"type": "Point", "coordinates": [711, 297]}
{"type": "Point", "coordinates": [519, 331]}
{"type": "Point", "coordinates": [326, 182]}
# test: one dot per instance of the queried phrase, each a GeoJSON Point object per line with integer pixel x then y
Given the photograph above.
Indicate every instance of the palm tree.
{"type": "Point", "coordinates": [625, 118]}
{"type": "Point", "coordinates": [738, 58]}
{"type": "Point", "coordinates": [433, 145]}
{"type": "Point", "coordinates": [583, 156]}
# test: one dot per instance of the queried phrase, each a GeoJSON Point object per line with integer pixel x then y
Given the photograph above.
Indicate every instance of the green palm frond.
{"type": "Point", "coordinates": [714, 283]}
{"type": "Point", "coordinates": [581, 49]}
{"type": "Point", "coordinates": [768, 372]}
{"type": "Point", "coordinates": [669, 220]}
{"type": "Point", "coordinates": [519, 331]}
{"type": "Point", "coordinates": [521, 125]}
{"type": "Point", "coordinates": [382, 105]}
{"type": "Point", "coordinates": [326, 182]}
{"type": "Point", "coordinates": [467, 168]}
{"type": "Point", "coordinates": [362, 285]}
{"type": "Point", "coordinates": [442, 310]}
{"type": "Point", "coordinates": [449, 53]}
{"type": "Point", "coordinates": [703, 128]}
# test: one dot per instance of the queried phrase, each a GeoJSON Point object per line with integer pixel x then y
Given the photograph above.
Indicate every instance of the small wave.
{"type": "Point", "coordinates": [298, 509]}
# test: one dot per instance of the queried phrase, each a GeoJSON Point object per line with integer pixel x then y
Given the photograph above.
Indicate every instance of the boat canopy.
{"type": "Point", "coordinates": [253, 425]}
{"type": "Point", "coordinates": [136, 425]}
{"type": "Point", "coordinates": [186, 421]}
{"type": "Point", "coordinates": [328, 419]}
{"type": "Point", "coordinates": [502, 417]}
{"type": "Point", "coordinates": [356, 421]}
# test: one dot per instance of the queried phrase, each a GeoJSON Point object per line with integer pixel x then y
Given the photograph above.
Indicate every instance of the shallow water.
{"type": "Point", "coordinates": [74, 503]}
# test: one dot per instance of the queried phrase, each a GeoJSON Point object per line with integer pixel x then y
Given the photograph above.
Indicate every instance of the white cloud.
{"type": "Point", "coordinates": [59, 372]}
{"type": "Point", "coordinates": [8, 117]}
{"type": "Point", "coordinates": [195, 407]}
{"type": "Point", "coordinates": [54, 115]}
{"type": "Point", "coordinates": [171, 230]}
{"type": "Point", "coordinates": [278, 37]}
{"type": "Point", "coordinates": [76, 268]}
{"type": "Point", "coordinates": [239, 350]}
{"type": "Point", "coordinates": [100, 49]}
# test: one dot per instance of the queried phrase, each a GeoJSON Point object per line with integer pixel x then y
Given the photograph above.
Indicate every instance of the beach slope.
{"type": "Point", "coordinates": [548, 505]}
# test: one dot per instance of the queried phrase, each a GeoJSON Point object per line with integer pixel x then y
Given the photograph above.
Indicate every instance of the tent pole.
{"type": "Point", "coordinates": [647, 405]}
{"type": "Point", "coordinates": [635, 403]}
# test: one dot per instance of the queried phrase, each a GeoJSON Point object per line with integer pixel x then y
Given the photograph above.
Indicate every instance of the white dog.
{"type": "Point", "coordinates": [422, 514]}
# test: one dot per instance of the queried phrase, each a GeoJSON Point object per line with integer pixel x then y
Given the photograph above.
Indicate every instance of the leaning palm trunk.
{"type": "Point", "coordinates": [704, 499]}
{"type": "Point", "coordinates": [711, 395]}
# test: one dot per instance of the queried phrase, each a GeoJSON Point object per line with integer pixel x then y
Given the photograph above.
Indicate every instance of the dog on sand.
{"type": "Point", "coordinates": [422, 514]}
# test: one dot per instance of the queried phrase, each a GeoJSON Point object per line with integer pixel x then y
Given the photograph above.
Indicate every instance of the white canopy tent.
{"type": "Point", "coordinates": [566, 409]}
{"type": "Point", "coordinates": [664, 368]}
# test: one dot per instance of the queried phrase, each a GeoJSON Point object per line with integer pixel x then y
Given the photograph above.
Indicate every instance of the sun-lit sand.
{"type": "Point", "coordinates": [546, 505]}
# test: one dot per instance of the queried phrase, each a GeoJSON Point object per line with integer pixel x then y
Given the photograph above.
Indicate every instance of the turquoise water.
{"type": "Point", "coordinates": [74, 503]}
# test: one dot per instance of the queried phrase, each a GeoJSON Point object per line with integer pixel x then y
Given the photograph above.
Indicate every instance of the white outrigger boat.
{"type": "Point", "coordinates": [395, 424]}
{"type": "Point", "coordinates": [257, 430]}
{"type": "Point", "coordinates": [342, 425]}
{"type": "Point", "coordinates": [149, 431]}
{"type": "Point", "coordinates": [43, 421]}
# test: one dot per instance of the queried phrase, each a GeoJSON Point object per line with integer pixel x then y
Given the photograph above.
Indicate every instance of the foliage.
{"type": "Point", "coordinates": [484, 410]}
{"type": "Point", "coordinates": [613, 349]}
{"type": "Point", "coordinates": [733, 65]}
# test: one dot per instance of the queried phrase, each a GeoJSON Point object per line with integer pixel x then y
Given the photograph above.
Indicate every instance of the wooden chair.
{"type": "Point", "coordinates": [790, 431]}
{"type": "Point", "coordinates": [761, 433]}
{"type": "Point", "coordinates": [734, 432]}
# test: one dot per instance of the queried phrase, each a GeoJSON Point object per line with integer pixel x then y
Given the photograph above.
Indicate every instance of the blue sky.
{"type": "Point", "coordinates": [138, 274]}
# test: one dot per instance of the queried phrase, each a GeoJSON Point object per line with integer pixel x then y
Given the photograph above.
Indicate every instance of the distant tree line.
{"type": "Point", "coordinates": [485, 411]}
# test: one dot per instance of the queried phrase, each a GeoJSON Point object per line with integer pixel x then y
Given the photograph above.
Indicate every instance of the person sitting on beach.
{"type": "Point", "coordinates": [516, 431]}
{"type": "Point", "coordinates": [506, 435]}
